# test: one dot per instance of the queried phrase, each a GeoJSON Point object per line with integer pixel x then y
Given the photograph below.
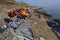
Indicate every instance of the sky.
{"type": "Point", "coordinates": [41, 2]}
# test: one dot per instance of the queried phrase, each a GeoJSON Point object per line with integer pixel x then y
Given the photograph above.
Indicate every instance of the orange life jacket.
{"type": "Point", "coordinates": [23, 12]}
{"type": "Point", "coordinates": [15, 16]}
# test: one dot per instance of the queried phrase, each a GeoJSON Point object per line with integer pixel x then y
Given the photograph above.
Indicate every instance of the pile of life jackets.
{"type": "Point", "coordinates": [21, 11]}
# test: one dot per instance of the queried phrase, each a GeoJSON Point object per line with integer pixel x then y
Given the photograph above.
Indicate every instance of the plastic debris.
{"type": "Point", "coordinates": [5, 26]}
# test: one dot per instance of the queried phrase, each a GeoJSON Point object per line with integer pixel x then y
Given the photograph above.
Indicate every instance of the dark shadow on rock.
{"type": "Point", "coordinates": [2, 30]}
{"type": "Point", "coordinates": [54, 26]}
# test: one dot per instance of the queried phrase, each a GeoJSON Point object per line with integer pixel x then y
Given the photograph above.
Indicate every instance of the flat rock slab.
{"type": "Point", "coordinates": [41, 29]}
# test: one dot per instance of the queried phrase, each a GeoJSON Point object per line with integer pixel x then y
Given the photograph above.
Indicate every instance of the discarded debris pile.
{"type": "Point", "coordinates": [18, 25]}
{"type": "Point", "coordinates": [22, 32]}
